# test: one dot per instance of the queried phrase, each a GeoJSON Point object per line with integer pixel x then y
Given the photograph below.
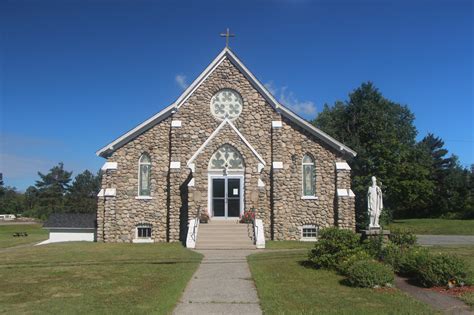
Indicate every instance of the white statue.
{"type": "Point", "coordinates": [374, 204]}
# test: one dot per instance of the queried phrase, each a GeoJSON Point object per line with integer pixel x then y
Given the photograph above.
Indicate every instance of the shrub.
{"type": "Point", "coordinates": [334, 246]}
{"type": "Point", "coordinates": [369, 274]}
{"type": "Point", "coordinates": [391, 254]}
{"type": "Point", "coordinates": [374, 246]}
{"type": "Point", "coordinates": [402, 238]}
{"type": "Point", "coordinates": [411, 258]}
{"type": "Point", "coordinates": [343, 267]}
{"type": "Point", "coordinates": [441, 270]}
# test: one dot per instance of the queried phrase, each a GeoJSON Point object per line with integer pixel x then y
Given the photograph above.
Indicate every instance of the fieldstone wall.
{"type": "Point", "coordinates": [279, 203]}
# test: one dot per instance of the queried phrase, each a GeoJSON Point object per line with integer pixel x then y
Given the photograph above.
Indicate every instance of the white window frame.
{"type": "Point", "coordinates": [143, 239]}
{"type": "Point", "coordinates": [303, 196]}
{"type": "Point", "coordinates": [140, 163]}
{"type": "Point", "coordinates": [309, 239]}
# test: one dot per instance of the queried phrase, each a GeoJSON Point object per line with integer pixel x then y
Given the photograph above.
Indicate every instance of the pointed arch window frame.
{"type": "Point", "coordinates": [226, 168]}
{"type": "Point", "coordinates": [144, 168]}
{"type": "Point", "coordinates": [308, 167]}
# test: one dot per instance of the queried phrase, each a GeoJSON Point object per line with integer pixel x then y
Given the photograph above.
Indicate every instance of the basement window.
{"type": "Point", "coordinates": [143, 234]}
{"type": "Point", "coordinates": [309, 232]}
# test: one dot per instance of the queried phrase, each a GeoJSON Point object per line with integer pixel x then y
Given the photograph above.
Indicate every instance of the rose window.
{"type": "Point", "coordinates": [226, 103]}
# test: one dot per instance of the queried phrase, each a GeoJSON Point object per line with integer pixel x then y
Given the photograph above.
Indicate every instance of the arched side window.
{"type": "Point", "coordinates": [144, 172]}
{"type": "Point", "coordinates": [309, 180]}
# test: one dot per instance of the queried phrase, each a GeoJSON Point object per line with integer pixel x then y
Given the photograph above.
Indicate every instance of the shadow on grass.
{"type": "Point", "coordinates": [102, 263]}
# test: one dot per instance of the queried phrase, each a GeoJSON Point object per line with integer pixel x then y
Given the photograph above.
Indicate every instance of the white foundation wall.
{"type": "Point", "coordinates": [70, 235]}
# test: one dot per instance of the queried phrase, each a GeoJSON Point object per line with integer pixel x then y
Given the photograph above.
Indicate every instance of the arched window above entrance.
{"type": "Point", "coordinates": [226, 158]}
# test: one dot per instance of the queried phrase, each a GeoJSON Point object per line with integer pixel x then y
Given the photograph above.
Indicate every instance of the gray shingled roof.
{"type": "Point", "coordinates": [71, 220]}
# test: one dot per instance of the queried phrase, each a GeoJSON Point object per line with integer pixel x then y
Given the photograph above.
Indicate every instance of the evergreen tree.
{"type": "Point", "coordinates": [82, 195]}
{"type": "Point", "coordinates": [383, 135]}
{"type": "Point", "coordinates": [51, 190]}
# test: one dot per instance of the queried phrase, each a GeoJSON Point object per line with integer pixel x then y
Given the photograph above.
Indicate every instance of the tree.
{"type": "Point", "coordinates": [82, 195]}
{"type": "Point", "coordinates": [383, 135]}
{"type": "Point", "coordinates": [51, 190]}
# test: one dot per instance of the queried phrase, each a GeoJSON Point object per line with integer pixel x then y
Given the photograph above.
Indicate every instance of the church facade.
{"type": "Point", "coordinates": [225, 146]}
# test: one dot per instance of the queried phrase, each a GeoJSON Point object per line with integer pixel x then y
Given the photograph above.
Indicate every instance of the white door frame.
{"type": "Point", "coordinates": [212, 176]}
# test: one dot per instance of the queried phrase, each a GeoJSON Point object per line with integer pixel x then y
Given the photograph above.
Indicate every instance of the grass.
{"type": "Point", "coordinates": [35, 232]}
{"type": "Point", "coordinates": [467, 253]}
{"type": "Point", "coordinates": [286, 287]}
{"type": "Point", "coordinates": [435, 226]}
{"type": "Point", "coordinates": [288, 245]}
{"type": "Point", "coordinates": [94, 278]}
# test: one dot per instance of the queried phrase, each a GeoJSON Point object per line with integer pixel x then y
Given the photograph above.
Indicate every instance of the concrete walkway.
{"type": "Point", "coordinates": [440, 302]}
{"type": "Point", "coordinates": [221, 285]}
{"type": "Point", "coordinates": [445, 239]}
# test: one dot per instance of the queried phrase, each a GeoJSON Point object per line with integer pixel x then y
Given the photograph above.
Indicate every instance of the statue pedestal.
{"type": "Point", "coordinates": [374, 233]}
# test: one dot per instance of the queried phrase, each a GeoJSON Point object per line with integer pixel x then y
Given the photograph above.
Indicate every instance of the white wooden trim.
{"type": "Point", "coordinates": [225, 53]}
{"type": "Point", "coordinates": [260, 183]}
{"type": "Point", "coordinates": [176, 123]}
{"type": "Point", "coordinates": [214, 134]}
{"type": "Point", "coordinates": [277, 165]}
{"type": "Point", "coordinates": [309, 197]}
{"type": "Point", "coordinates": [175, 165]}
{"type": "Point", "coordinates": [143, 197]}
{"type": "Point", "coordinates": [191, 183]}
{"type": "Point", "coordinates": [342, 166]}
{"type": "Point", "coordinates": [109, 166]}
{"type": "Point", "coordinates": [277, 124]}
{"type": "Point", "coordinates": [110, 192]}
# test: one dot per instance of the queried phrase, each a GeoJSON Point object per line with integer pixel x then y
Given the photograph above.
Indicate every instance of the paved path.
{"type": "Point", "coordinates": [445, 239]}
{"type": "Point", "coordinates": [221, 285]}
{"type": "Point", "coordinates": [441, 302]}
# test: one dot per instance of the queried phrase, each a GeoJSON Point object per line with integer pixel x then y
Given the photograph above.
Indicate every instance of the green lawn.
{"type": "Point", "coordinates": [286, 287]}
{"type": "Point", "coordinates": [288, 245]}
{"type": "Point", "coordinates": [467, 253]}
{"type": "Point", "coordinates": [35, 232]}
{"type": "Point", "coordinates": [435, 226]}
{"type": "Point", "coordinates": [94, 278]}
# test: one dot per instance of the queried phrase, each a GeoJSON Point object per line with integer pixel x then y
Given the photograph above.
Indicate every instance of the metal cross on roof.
{"type": "Point", "coordinates": [227, 35]}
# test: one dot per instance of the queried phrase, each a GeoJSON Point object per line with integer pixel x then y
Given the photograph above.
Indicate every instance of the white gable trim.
{"type": "Point", "coordinates": [225, 53]}
{"type": "Point", "coordinates": [214, 134]}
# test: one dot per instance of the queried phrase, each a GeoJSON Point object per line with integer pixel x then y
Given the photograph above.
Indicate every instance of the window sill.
{"type": "Point", "coordinates": [142, 240]}
{"type": "Point", "coordinates": [309, 197]}
{"type": "Point", "coordinates": [143, 197]}
{"type": "Point", "coordinates": [308, 239]}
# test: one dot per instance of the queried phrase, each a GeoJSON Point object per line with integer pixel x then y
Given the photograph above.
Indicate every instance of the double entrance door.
{"type": "Point", "coordinates": [226, 196]}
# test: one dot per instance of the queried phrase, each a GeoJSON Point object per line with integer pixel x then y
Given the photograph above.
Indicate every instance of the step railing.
{"type": "Point", "coordinates": [193, 227]}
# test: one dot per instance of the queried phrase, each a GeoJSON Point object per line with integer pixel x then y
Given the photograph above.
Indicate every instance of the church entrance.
{"type": "Point", "coordinates": [226, 196]}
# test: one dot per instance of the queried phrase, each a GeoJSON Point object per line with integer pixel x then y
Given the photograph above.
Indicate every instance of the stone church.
{"type": "Point", "coordinates": [224, 146]}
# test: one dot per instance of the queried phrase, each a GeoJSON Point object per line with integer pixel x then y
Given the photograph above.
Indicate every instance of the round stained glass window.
{"type": "Point", "coordinates": [226, 103]}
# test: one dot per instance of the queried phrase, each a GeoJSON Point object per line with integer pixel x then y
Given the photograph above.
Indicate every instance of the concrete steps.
{"type": "Point", "coordinates": [224, 234]}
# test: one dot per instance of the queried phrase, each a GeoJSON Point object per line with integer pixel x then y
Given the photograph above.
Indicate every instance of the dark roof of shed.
{"type": "Point", "coordinates": [71, 220]}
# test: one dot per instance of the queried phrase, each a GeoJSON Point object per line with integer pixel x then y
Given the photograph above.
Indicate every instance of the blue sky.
{"type": "Point", "coordinates": [77, 74]}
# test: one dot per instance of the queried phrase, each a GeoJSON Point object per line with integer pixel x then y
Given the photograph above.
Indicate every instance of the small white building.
{"type": "Point", "coordinates": [71, 227]}
{"type": "Point", "coordinates": [7, 217]}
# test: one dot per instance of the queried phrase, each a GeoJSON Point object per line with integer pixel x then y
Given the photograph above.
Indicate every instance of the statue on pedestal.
{"type": "Point", "coordinates": [374, 204]}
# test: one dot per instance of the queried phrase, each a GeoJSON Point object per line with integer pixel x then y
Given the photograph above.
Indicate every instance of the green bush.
{"type": "Point", "coordinates": [343, 267]}
{"type": "Point", "coordinates": [441, 270]}
{"type": "Point", "coordinates": [369, 274]}
{"type": "Point", "coordinates": [374, 246]}
{"type": "Point", "coordinates": [333, 247]}
{"type": "Point", "coordinates": [391, 254]}
{"type": "Point", "coordinates": [411, 258]}
{"type": "Point", "coordinates": [402, 238]}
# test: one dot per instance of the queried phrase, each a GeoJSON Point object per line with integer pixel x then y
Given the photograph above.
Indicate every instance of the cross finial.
{"type": "Point", "coordinates": [227, 35]}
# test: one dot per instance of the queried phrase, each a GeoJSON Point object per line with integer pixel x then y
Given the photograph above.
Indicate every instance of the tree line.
{"type": "Point", "coordinates": [418, 178]}
{"type": "Point", "coordinates": [53, 192]}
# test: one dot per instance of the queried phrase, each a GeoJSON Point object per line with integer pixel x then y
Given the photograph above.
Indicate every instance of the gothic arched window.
{"type": "Point", "coordinates": [226, 158]}
{"type": "Point", "coordinates": [144, 171]}
{"type": "Point", "coordinates": [309, 180]}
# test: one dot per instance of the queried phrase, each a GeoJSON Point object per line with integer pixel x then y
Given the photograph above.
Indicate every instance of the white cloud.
{"type": "Point", "coordinates": [181, 81]}
{"type": "Point", "coordinates": [288, 98]}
